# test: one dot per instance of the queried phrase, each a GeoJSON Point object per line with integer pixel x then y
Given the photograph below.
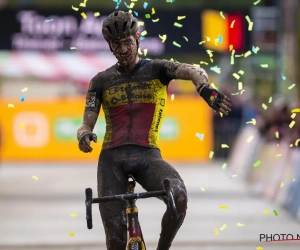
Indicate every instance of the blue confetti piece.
{"type": "Point", "coordinates": [48, 21]}
{"type": "Point", "coordinates": [145, 5]}
{"type": "Point", "coordinates": [22, 98]}
{"type": "Point", "coordinates": [127, 5]}
{"type": "Point", "coordinates": [214, 67]}
{"type": "Point", "coordinates": [136, 14]}
{"type": "Point", "coordinates": [116, 1]}
{"type": "Point", "coordinates": [283, 77]}
{"type": "Point", "coordinates": [142, 38]}
{"type": "Point", "coordinates": [149, 59]}
{"type": "Point", "coordinates": [117, 7]}
{"type": "Point", "coordinates": [253, 49]}
{"type": "Point", "coordinates": [220, 39]}
{"type": "Point", "coordinates": [200, 136]}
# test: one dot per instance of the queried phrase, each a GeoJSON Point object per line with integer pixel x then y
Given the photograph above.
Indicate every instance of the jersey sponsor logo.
{"type": "Point", "coordinates": [134, 86]}
{"type": "Point", "coordinates": [159, 118]}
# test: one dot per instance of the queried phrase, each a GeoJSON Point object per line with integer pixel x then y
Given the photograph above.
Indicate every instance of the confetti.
{"type": "Point", "coordinates": [137, 14]}
{"type": "Point", "coordinates": [242, 91]}
{"type": "Point", "coordinates": [248, 53]}
{"type": "Point", "coordinates": [296, 110]}
{"type": "Point", "coordinates": [209, 52]}
{"type": "Point", "coordinates": [296, 143]}
{"type": "Point", "coordinates": [73, 48]}
{"type": "Point", "coordinates": [264, 106]}
{"type": "Point", "coordinates": [216, 69]}
{"type": "Point", "coordinates": [176, 44]}
{"type": "Point", "coordinates": [221, 13]}
{"type": "Point", "coordinates": [277, 134]}
{"type": "Point", "coordinates": [282, 184]}
{"type": "Point", "coordinates": [22, 98]}
{"type": "Point", "coordinates": [71, 234]}
{"type": "Point", "coordinates": [283, 77]}
{"type": "Point", "coordinates": [259, 248]}
{"type": "Point", "coordinates": [291, 145]}
{"type": "Point", "coordinates": [203, 63]}
{"type": "Point", "coordinates": [48, 21]}
{"type": "Point", "coordinates": [180, 17]}
{"type": "Point", "coordinates": [255, 49]}
{"type": "Point", "coordinates": [236, 76]}
{"type": "Point", "coordinates": [211, 154]}
{"type": "Point", "coordinates": [223, 227]}
{"type": "Point", "coordinates": [270, 99]}
{"type": "Point", "coordinates": [144, 33]}
{"type": "Point", "coordinates": [256, 164]}
{"type": "Point", "coordinates": [253, 121]}
{"type": "Point", "coordinates": [293, 115]}
{"type": "Point", "coordinates": [163, 37]}
{"type": "Point", "coordinates": [140, 23]}
{"type": "Point", "coordinates": [294, 179]}
{"type": "Point", "coordinates": [155, 20]}
{"type": "Point", "coordinates": [202, 42]}
{"type": "Point", "coordinates": [74, 8]}
{"type": "Point", "coordinates": [278, 155]}
{"type": "Point", "coordinates": [145, 5]}
{"type": "Point", "coordinates": [224, 146]}
{"type": "Point", "coordinates": [83, 4]}
{"type": "Point", "coordinates": [275, 212]}
{"type": "Point", "coordinates": [216, 231]}
{"type": "Point", "coordinates": [97, 14]}
{"type": "Point", "coordinates": [248, 19]}
{"type": "Point", "coordinates": [230, 47]}
{"type": "Point", "coordinates": [266, 211]}
{"type": "Point", "coordinates": [292, 124]}
{"type": "Point", "coordinates": [240, 85]}
{"type": "Point", "coordinates": [250, 138]}
{"type": "Point", "coordinates": [172, 97]}
{"type": "Point", "coordinates": [240, 225]}
{"type": "Point", "coordinates": [255, 3]}
{"type": "Point", "coordinates": [250, 26]}
{"type": "Point", "coordinates": [234, 175]}
{"type": "Point", "coordinates": [208, 39]}
{"type": "Point", "coordinates": [35, 177]}
{"type": "Point", "coordinates": [220, 39]}
{"type": "Point", "coordinates": [83, 15]}
{"type": "Point", "coordinates": [131, 5]}
{"type": "Point", "coordinates": [241, 72]}
{"type": "Point", "coordinates": [22, 125]}
{"type": "Point", "coordinates": [202, 189]}
{"type": "Point", "coordinates": [24, 90]}
{"type": "Point", "coordinates": [153, 11]}
{"type": "Point", "coordinates": [185, 38]}
{"type": "Point", "coordinates": [235, 93]}
{"type": "Point", "coordinates": [178, 25]}
{"type": "Point", "coordinates": [223, 207]}
{"type": "Point", "coordinates": [74, 215]}
{"type": "Point", "coordinates": [232, 24]}
{"type": "Point", "coordinates": [224, 165]}
{"type": "Point", "coordinates": [292, 86]}
{"type": "Point", "coordinates": [147, 16]}
{"type": "Point", "coordinates": [200, 136]}
{"type": "Point", "coordinates": [232, 57]}
{"type": "Point", "coordinates": [264, 65]}
{"type": "Point", "coordinates": [145, 52]}
{"type": "Point", "coordinates": [11, 105]}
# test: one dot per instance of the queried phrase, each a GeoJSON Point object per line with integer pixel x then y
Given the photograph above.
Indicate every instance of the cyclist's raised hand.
{"type": "Point", "coordinates": [85, 141]}
{"type": "Point", "coordinates": [216, 100]}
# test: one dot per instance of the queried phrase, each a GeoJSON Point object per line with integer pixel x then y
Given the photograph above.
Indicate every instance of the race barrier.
{"type": "Point", "coordinates": [44, 130]}
{"type": "Point", "coordinates": [276, 177]}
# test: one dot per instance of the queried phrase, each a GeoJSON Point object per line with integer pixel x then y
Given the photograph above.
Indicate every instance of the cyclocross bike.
{"type": "Point", "coordinates": [136, 240]}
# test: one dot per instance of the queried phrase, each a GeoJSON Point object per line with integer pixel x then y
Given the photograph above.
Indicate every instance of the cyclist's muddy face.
{"type": "Point", "coordinates": [125, 50]}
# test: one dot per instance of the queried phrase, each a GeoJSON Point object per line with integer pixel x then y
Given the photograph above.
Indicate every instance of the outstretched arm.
{"type": "Point", "coordinates": [198, 76]}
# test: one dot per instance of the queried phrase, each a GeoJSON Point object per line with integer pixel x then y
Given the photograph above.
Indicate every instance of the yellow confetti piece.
{"type": "Point", "coordinates": [186, 38]}
{"type": "Point", "coordinates": [241, 72]}
{"type": "Point", "coordinates": [235, 93]}
{"type": "Point", "coordinates": [223, 207]}
{"type": "Point", "coordinates": [264, 106]}
{"type": "Point", "coordinates": [208, 38]}
{"type": "Point", "coordinates": [155, 20]}
{"type": "Point", "coordinates": [232, 24]}
{"type": "Point", "coordinates": [202, 189]}
{"type": "Point", "coordinates": [256, 164]}
{"type": "Point", "coordinates": [176, 44]}
{"type": "Point", "coordinates": [253, 121]}
{"type": "Point", "coordinates": [264, 65]}
{"type": "Point", "coordinates": [255, 3]}
{"type": "Point", "coordinates": [240, 225]}
{"type": "Point", "coordinates": [212, 60]}
{"type": "Point", "coordinates": [83, 15]}
{"type": "Point", "coordinates": [296, 111]}
{"type": "Point", "coordinates": [223, 227]}
{"type": "Point", "coordinates": [203, 63]}
{"type": "Point", "coordinates": [26, 89]}
{"type": "Point", "coordinates": [292, 86]}
{"type": "Point", "coordinates": [130, 11]}
{"type": "Point", "coordinates": [145, 52]}
{"type": "Point", "coordinates": [202, 42]}
{"type": "Point", "coordinates": [131, 5]}
{"type": "Point", "coordinates": [250, 26]}
{"type": "Point", "coordinates": [35, 177]}
{"type": "Point", "coordinates": [172, 97]}
{"type": "Point", "coordinates": [74, 8]}
{"type": "Point", "coordinates": [71, 234]}
{"type": "Point", "coordinates": [181, 17]}
{"type": "Point", "coordinates": [83, 4]}
{"type": "Point", "coordinates": [211, 154]}
{"type": "Point", "coordinates": [277, 134]}
{"type": "Point", "coordinates": [22, 125]}
{"type": "Point", "coordinates": [140, 52]}
{"type": "Point", "coordinates": [97, 14]}
{"type": "Point", "coordinates": [282, 184]}
{"type": "Point", "coordinates": [259, 248]}
{"type": "Point", "coordinates": [179, 25]}
{"type": "Point", "coordinates": [248, 53]}
{"type": "Point", "coordinates": [224, 146]}
{"type": "Point", "coordinates": [236, 76]}
{"type": "Point", "coordinates": [213, 85]}
{"type": "Point", "coordinates": [294, 179]}
{"type": "Point", "coordinates": [230, 47]}
{"type": "Point", "coordinates": [74, 215]}
{"type": "Point", "coordinates": [240, 86]}
{"type": "Point", "coordinates": [292, 124]}
{"type": "Point", "coordinates": [209, 52]}
{"type": "Point", "coordinates": [224, 165]}
{"type": "Point", "coordinates": [163, 38]}
{"type": "Point", "coordinates": [242, 91]}
{"type": "Point", "coordinates": [248, 19]}
{"type": "Point", "coordinates": [221, 114]}
{"type": "Point", "coordinates": [250, 138]}
{"type": "Point", "coordinates": [232, 57]}
{"type": "Point", "coordinates": [266, 211]}
{"type": "Point", "coordinates": [153, 11]}
{"type": "Point", "coordinates": [222, 15]}
{"type": "Point", "coordinates": [296, 143]}
{"type": "Point", "coordinates": [270, 99]}
{"type": "Point", "coordinates": [216, 231]}
{"type": "Point", "coordinates": [73, 48]}
{"type": "Point", "coordinates": [144, 33]}
{"type": "Point", "coordinates": [141, 23]}
{"type": "Point", "coordinates": [11, 105]}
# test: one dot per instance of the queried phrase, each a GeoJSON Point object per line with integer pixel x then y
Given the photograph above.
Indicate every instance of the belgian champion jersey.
{"type": "Point", "coordinates": [133, 103]}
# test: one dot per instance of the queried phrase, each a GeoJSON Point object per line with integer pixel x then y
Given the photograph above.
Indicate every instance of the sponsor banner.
{"type": "Point", "coordinates": [46, 130]}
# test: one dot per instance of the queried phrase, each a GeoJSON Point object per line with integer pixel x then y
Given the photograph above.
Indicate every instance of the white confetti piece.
{"type": "Point", "coordinates": [223, 227]}
{"type": "Point", "coordinates": [224, 165]}
{"type": "Point", "coordinates": [11, 105]}
{"type": "Point", "coordinates": [250, 138]}
{"type": "Point", "coordinates": [248, 53]}
{"type": "Point", "coordinates": [24, 89]}
{"type": "Point", "coordinates": [222, 15]}
{"type": "Point", "coordinates": [202, 189]}
{"type": "Point", "coordinates": [35, 177]}
{"type": "Point", "coordinates": [240, 225]}
{"type": "Point", "coordinates": [211, 154]}
{"type": "Point", "coordinates": [172, 97]}
{"type": "Point", "coordinates": [292, 86]}
{"type": "Point", "coordinates": [163, 38]}
{"type": "Point", "coordinates": [292, 124]}
{"type": "Point", "coordinates": [224, 146]}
